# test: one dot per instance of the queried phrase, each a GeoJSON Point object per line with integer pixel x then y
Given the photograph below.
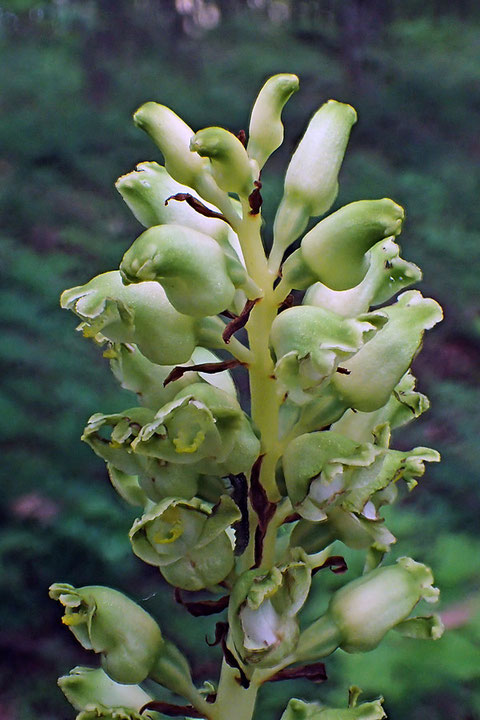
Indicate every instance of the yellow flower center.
{"type": "Point", "coordinates": [182, 445]}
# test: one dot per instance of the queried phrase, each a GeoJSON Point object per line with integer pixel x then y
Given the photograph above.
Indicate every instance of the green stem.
{"type": "Point", "coordinates": [238, 350]}
{"type": "Point", "coordinates": [263, 390]}
{"type": "Point", "coordinates": [233, 701]}
{"type": "Point", "coordinates": [208, 189]}
{"type": "Point", "coordinates": [281, 291]}
{"type": "Point", "coordinates": [284, 509]}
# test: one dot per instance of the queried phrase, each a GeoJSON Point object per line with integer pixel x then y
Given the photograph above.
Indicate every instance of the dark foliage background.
{"type": "Point", "coordinates": [72, 72]}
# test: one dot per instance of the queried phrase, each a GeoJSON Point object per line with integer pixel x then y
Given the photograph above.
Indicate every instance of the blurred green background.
{"type": "Point", "coordinates": [72, 72]}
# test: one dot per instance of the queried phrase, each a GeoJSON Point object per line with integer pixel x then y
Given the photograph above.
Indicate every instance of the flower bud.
{"type": "Point", "coordinates": [127, 486]}
{"type": "Point", "coordinates": [197, 276]}
{"type": "Point", "coordinates": [335, 250]}
{"type": "Point", "coordinates": [96, 695]}
{"type": "Point", "coordinates": [230, 164]}
{"type": "Point", "coordinates": [387, 274]}
{"type": "Point", "coordinates": [146, 191]}
{"type": "Point", "coordinates": [300, 710]}
{"type": "Point", "coordinates": [172, 135]}
{"type": "Point", "coordinates": [311, 181]}
{"type": "Point", "coordinates": [107, 622]}
{"type": "Point", "coordinates": [263, 608]}
{"type": "Point", "coordinates": [310, 342]}
{"type": "Point", "coordinates": [265, 133]}
{"type": "Point", "coordinates": [364, 610]}
{"type": "Point", "coordinates": [140, 314]}
{"type": "Point", "coordinates": [187, 541]}
{"type": "Point", "coordinates": [379, 365]}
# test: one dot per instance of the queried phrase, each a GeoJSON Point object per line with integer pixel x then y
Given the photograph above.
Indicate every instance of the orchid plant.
{"type": "Point", "coordinates": [245, 508]}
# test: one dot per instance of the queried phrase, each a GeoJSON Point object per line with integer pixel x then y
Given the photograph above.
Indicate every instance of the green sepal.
{"type": "Point", "coordinates": [404, 405]}
{"type": "Point", "coordinates": [140, 314]}
{"type": "Point", "coordinates": [353, 530]}
{"type": "Point", "coordinates": [265, 132]}
{"type": "Point", "coordinates": [310, 342]}
{"type": "Point", "coordinates": [323, 409]}
{"type": "Point", "coordinates": [127, 486]}
{"type": "Point", "coordinates": [229, 163]}
{"type": "Point", "coordinates": [314, 465]}
{"type": "Point", "coordinates": [125, 427]}
{"type": "Point", "coordinates": [187, 541]}
{"type": "Point", "coordinates": [96, 695]}
{"type": "Point", "coordinates": [387, 274]}
{"type": "Point", "coordinates": [160, 479]}
{"type": "Point", "coordinates": [199, 279]}
{"type": "Point", "coordinates": [300, 710]}
{"type": "Point", "coordinates": [263, 607]}
{"type": "Point", "coordinates": [133, 474]}
{"type": "Point", "coordinates": [311, 180]}
{"type": "Point", "coordinates": [379, 365]}
{"type": "Point", "coordinates": [107, 622]}
{"type": "Point", "coordinates": [389, 466]}
{"type": "Point", "coordinates": [429, 627]}
{"type": "Point", "coordinates": [335, 251]}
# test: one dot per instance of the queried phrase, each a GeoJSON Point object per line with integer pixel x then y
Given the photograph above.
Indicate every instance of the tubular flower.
{"type": "Point", "coordinates": [336, 250]}
{"type": "Point", "coordinates": [107, 622]}
{"type": "Point", "coordinates": [139, 314]}
{"type": "Point", "coordinates": [199, 279]}
{"type": "Point", "coordinates": [364, 610]}
{"type": "Point", "coordinates": [311, 181]}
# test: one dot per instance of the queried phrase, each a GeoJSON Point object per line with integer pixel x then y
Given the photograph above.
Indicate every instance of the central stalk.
{"type": "Point", "coordinates": [265, 402]}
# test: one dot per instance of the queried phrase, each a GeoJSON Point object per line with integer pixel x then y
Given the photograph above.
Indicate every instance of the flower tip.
{"type": "Point", "coordinates": [346, 107]}
{"type": "Point", "coordinates": [140, 115]}
{"type": "Point", "coordinates": [288, 82]}
{"type": "Point", "coordinates": [124, 181]}
{"type": "Point", "coordinates": [438, 628]}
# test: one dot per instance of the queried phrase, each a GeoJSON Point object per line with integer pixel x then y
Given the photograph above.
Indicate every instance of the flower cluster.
{"type": "Point", "coordinates": [251, 506]}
